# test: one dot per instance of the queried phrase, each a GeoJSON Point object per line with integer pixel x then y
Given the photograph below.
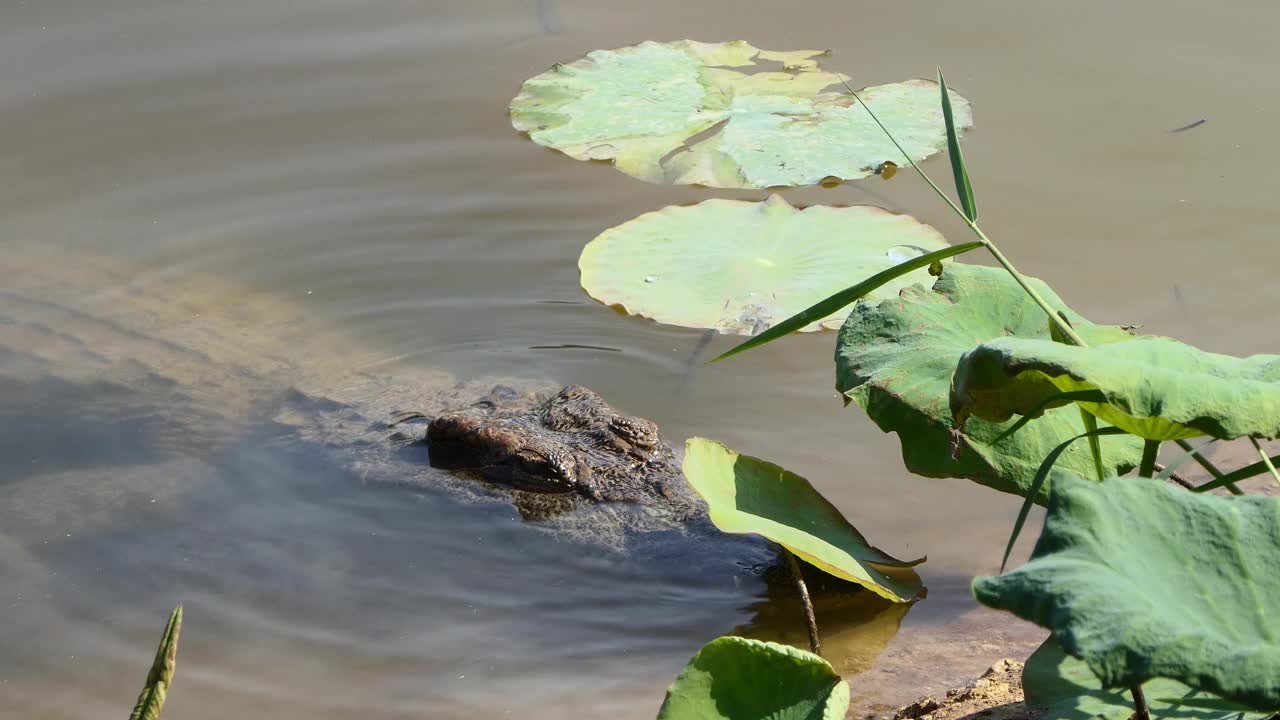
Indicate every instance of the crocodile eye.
{"type": "Point", "coordinates": [637, 431]}
{"type": "Point", "coordinates": [550, 471]}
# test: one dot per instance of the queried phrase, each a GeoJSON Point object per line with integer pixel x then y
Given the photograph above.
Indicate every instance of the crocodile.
{"type": "Point", "coordinates": [571, 447]}
{"type": "Point", "coordinates": [154, 375]}
{"type": "Point", "coordinates": [155, 416]}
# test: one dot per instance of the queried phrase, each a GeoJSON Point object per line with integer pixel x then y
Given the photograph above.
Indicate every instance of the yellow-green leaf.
{"type": "Point", "coordinates": [748, 495]}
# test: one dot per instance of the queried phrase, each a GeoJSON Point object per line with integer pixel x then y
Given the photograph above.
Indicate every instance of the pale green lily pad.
{"type": "Point", "coordinates": [641, 106]}
{"type": "Point", "coordinates": [895, 359]}
{"type": "Point", "coordinates": [1063, 688]}
{"type": "Point", "coordinates": [735, 678]}
{"type": "Point", "coordinates": [749, 495]}
{"type": "Point", "coordinates": [1155, 388]}
{"type": "Point", "coordinates": [1143, 580]}
{"type": "Point", "coordinates": [738, 267]}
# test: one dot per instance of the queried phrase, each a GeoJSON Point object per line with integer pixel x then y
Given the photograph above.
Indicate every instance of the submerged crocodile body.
{"type": "Point", "coordinates": [154, 375]}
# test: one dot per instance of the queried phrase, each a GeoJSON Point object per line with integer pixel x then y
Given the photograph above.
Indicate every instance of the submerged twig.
{"type": "Point", "coordinates": [1188, 126]}
{"type": "Point", "coordinates": [1176, 478]}
{"type": "Point", "coordinates": [810, 619]}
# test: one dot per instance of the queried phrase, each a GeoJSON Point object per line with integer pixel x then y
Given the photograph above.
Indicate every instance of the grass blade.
{"type": "Point", "coordinates": [1243, 473]}
{"type": "Point", "coordinates": [1095, 445]}
{"type": "Point", "coordinates": [1189, 454]}
{"type": "Point", "coordinates": [151, 700]}
{"type": "Point", "coordinates": [846, 297]}
{"type": "Point", "coordinates": [1093, 396]}
{"type": "Point", "coordinates": [1042, 474]}
{"type": "Point", "coordinates": [1265, 460]}
{"type": "Point", "coordinates": [1208, 466]}
{"type": "Point", "coordinates": [1207, 703]}
{"type": "Point", "coordinates": [963, 189]}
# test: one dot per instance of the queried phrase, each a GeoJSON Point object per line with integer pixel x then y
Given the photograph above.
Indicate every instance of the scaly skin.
{"type": "Point", "coordinates": [571, 444]}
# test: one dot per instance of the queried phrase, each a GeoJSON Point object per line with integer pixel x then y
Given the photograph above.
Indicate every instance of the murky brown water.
{"type": "Point", "coordinates": [204, 204]}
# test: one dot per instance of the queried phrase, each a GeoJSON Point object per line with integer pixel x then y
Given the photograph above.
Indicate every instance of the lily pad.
{"type": "Point", "coordinates": [645, 107]}
{"type": "Point", "coordinates": [737, 266]}
{"type": "Point", "coordinates": [749, 495]}
{"type": "Point", "coordinates": [1155, 388]}
{"type": "Point", "coordinates": [896, 359]}
{"type": "Point", "coordinates": [1143, 580]}
{"type": "Point", "coordinates": [735, 678]}
{"type": "Point", "coordinates": [1065, 689]}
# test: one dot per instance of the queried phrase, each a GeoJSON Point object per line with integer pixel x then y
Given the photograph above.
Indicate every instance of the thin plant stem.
{"type": "Point", "coordinates": [810, 619]}
{"type": "Point", "coordinates": [1141, 711]}
{"type": "Point", "coordinates": [1265, 460]}
{"type": "Point", "coordinates": [1095, 444]}
{"type": "Point", "coordinates": [1150, 450]}
{"type": "Point", "coordinates": [1055, 318]}
{"type": "Point", "coordinates": [982, 237]}
{"type": "Point", "coordinates": [1208, 466]}
{"type": "Point", "coordinates": [1175, 478]}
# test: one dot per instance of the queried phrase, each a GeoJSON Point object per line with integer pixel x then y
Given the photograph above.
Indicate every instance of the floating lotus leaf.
{"type": "Point", "coordinates": [734, 678]}
{"type": "Point", "coordinates": [1156, 388]}
{"type": "Point", "coordinates": [1064, 688]}
{"type": "Point", "coordinates": [738, 267]}
{"type": "Point", "coordinates": [748, 495]}
{"type": "Point", "coordinates": [1143, 580]}
{"type": "Point", "coordinates": [642, 106]}
{"type": "Point", "coordinates": [895, 359]}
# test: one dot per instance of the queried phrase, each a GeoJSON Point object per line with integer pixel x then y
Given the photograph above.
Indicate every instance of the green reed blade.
{"type": "Point", "coordinates": [160, 678]}
{"type": "Point", "coordinates": [1042, 474]}
{"type": "Point", "coordinates": [963, 189]}
{"type": "Point", "coordinates": [1093, 396]}
{"type": "Point", "coordinates": [1243, 473]}
{"type": "Point", "coordinates": [1208, 466]}
{"type": "Point", "coordinates": [846, 297]}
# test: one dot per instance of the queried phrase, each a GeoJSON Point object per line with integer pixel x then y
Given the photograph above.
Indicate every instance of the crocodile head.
{"type": "Point", "coordinates": [572, 443]}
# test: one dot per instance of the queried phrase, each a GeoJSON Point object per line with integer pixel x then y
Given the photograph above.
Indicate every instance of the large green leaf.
{"type": "Point", "coordinates": [1143, 580]}
{"type": "Point", "coordinates": [739, 267]}
{"type": "Point", "coordinates": [734, 678]}
{"type": "Point", "coordinates": [160, 677]}
{"type": "Point", "coordinates": [1155, 388]}
{"type": "Point", "coordinates": [749, 495]}
{"type": "Point", "coordinates": [1065, 689]}
{"type": "Point", "coordinates": [642, 106]}
{"type": "Point", "coordinates": [895, 359]}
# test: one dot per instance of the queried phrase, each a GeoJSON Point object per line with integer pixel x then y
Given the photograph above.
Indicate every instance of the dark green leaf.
{"type": "Point", "coordinates": [895, 360]}
{"type": "Point", "coordinates": [1041, 475]}
{"type": "Point", "coordinates": [1065, 689]}
{"type": "Point", "coordinates": [1156, 388]}
{"type": "Point", "coordinates": [1142, 580]}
